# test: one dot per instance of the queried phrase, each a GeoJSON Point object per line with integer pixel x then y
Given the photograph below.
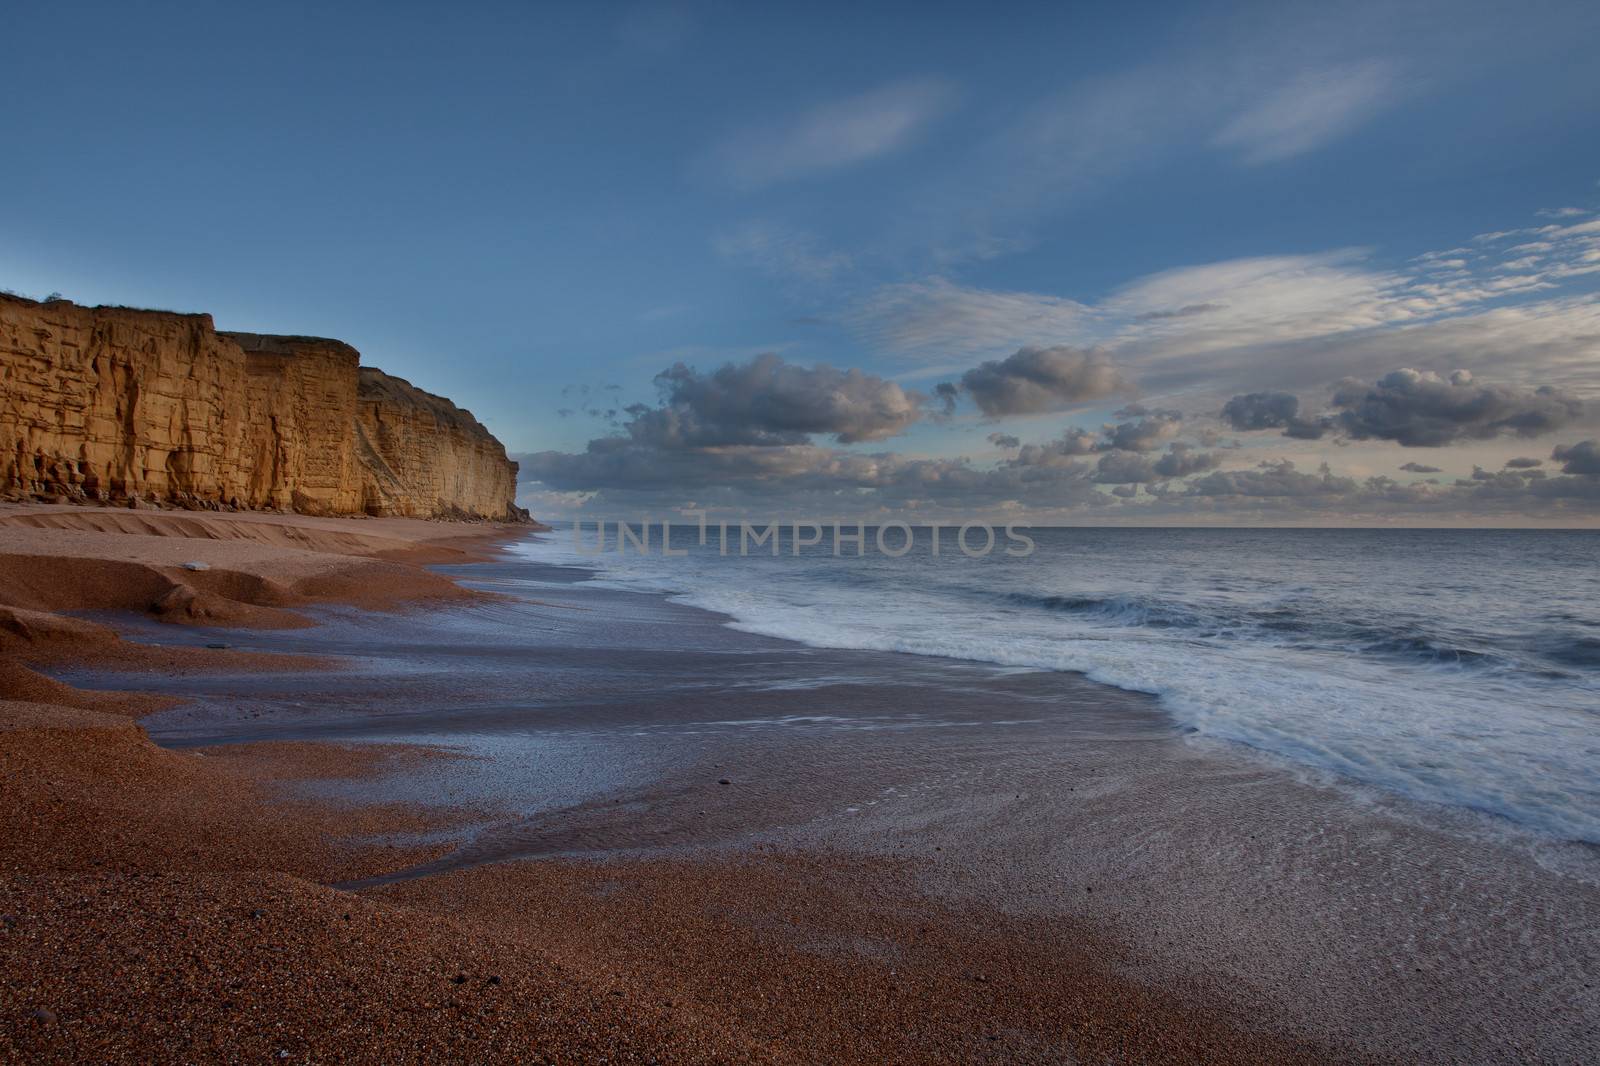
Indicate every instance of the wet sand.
{"type": "Point", "coordinates": [910, 860]}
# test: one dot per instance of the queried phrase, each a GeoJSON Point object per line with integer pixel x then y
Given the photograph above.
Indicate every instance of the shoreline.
{"type": "Point", "coordinates": [718, 916]}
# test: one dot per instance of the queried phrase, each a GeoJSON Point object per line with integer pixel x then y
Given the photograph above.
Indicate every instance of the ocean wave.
{"type": "Point", "coordinates": [1448, 691]}
{"type": "Point", "coordinates": [1293, 628]}
{"type": "Point", "coordinates": [1574, 651]}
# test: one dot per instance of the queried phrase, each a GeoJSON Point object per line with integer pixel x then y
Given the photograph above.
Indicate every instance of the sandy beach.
{"type": "Point", "coordinates": [276, 790]}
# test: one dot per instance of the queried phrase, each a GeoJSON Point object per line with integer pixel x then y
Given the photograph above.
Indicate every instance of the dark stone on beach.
{"type": "Point", "coordinates": [216, 647]}
{"type": "Point", "coordinates": [459, 979]}
{"type": "Point", "coordinates": [258, 913]}
{"type": "Point", "coordinates": [495, 979]}
{"type": "Point", "coordinates": [724, 781]}
{"type": "Point", "coordinates": [43, 1015]}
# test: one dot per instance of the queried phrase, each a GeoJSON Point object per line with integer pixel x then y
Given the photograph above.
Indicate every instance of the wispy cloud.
{"type": "Point", "coordinates": [937, 317]}
{"type": "Point", "coordinates": [781, 251]}
{"type": "Point", "coordinates": [1519, 304]}
{"type": "Point", "coordinates": [831, 137]}
{"type": "Point", "coordinates": [1309, 111]}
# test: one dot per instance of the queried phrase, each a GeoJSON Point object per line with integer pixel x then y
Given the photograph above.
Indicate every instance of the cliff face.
{"type": "Point", "coordinates": [105, 403]}
{"type": "Point", "coordinates": [418, 451]}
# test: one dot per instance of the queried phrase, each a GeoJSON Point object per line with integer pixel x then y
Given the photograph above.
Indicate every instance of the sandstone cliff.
{"type": "Point", "coordinates": [113, 404]}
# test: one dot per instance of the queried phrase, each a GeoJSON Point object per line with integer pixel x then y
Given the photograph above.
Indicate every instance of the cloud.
{"type": "Point", "coordinates": [769, 402]}
{"type": "Point", "coordinates": [1036, 380]}
{"type": "Point", "coordinates": [619, 475]}
{"type": "Point", "coordinates": [1072, 443]}
{"type": "Point", "coordinates": [1186, 311]}
{"type": "Point", "coordinates": [1261, 410]}
{"type": "Point", "coordinates": [1164, 317]}
{"type": "Point", "coordinates": [1523, 463]}
{"type": "Point", "coordinates": [938, 317]}
{"type": "Point", "coordinates": [1133, 438]}
{"type": "Point", "coordinates": [1304, 319]}
{"type": "Point", "coordinates": [1144, 435]}
{"type": "Point", "coordinates": [1582, 458]}
{"type": "Point", "coordinates": [1252, 300]}
{"type": "Point", "coordinates": [1182, 460]}
{"type": "Point", "coordinates": [781, 252]}
{"type": "Point", "coordinates": [1127, 467]}
{"type": "Point", "coordinates": [831, 137]}
{"type": "Point", "coordinates": [799, 478]}
{"type": "Point", "coordinates": [1273, 478]}
{"type": "Point", "coordinates": [1271, 410]}
{"type": "Point", "coordinates": [1251, 337]}
{"type": "Point", "coordinates": [1124, 468]}
{"type": "Point", "coordinates": [1314, 108]}
{"type": "Point", "coordinates": [1422, 409]}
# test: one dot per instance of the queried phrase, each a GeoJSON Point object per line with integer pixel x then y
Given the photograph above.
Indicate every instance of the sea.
{"type": "Point", "coordinates": [1459, 667]}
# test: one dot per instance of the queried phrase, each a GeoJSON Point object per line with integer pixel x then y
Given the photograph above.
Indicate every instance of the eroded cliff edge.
{"type": "Point", "coordinates": [113, 404]}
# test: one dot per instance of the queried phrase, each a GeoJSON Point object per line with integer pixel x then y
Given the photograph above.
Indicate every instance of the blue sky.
{"type": "Point", "coordinates": [538, 208]}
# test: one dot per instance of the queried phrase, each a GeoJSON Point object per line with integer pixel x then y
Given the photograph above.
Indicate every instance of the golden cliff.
{"type": "Point", "coordinates": [111, 404]}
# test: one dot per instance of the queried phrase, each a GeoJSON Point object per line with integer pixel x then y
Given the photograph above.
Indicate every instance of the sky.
{"type": "Point", "coordinates": [1055, 263]}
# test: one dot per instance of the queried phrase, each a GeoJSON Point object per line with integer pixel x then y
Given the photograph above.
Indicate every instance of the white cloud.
{"type": "Point", "coordinates": [1309, 111]}
{"type": "Point", "coordinates": [833, 136]}
{"type": "Point", "coordinates": [1291, 321]}
{"type": "Point", "coordinates": [1265, 298]}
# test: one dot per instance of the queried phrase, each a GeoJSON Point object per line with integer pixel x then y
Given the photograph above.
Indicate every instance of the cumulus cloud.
{"type": "Point", "coordinates": [1073, 442]}
{"type": "Point", "coordinates": [1417, 408]}
{"type": "Point", "coordinates": [1582, 458]}
{"type": "Point", "coordinates": [1142, 435]}
{"type": "Point", "coordinates": [834, 136]}
{"type": "Point", "coordinates": [1261, 410]}
{"type": "Point", "coordinates": [1523, 463]}
{"type": "Point", "coordinates": [619, 471]}
{"type": "Point", "coordinates": [1420, 468]}
{"type": "Point", "coordinates": [1271, 410]}
{"type": "Point", "coordinates": [1146, 434]}
{"type": "Point", "coordinates": [802, 478]}
{"type": "Point", "coordinates": [1182, 460]}
{"type": "Point", "coordinates": [1123, 468]}
{"type": "Point", "coordinates": [1005, 440]}
{"type": "Point", "coordinates": [1273, 478]}
{"type": "Point", "coordinates": [768, 401]}
{"type": "Point", "coordinates": [1036, 380]}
